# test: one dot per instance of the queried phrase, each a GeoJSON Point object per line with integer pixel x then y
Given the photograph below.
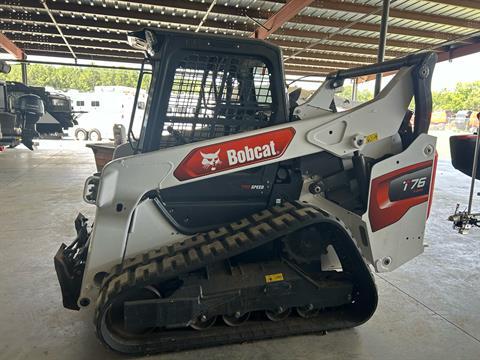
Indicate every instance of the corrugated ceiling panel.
{"type": "Point", "coordinates": [227, 20]}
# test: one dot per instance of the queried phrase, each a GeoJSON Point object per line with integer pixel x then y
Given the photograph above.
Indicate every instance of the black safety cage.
{"type": "Point", "coordinates": [205, 86]}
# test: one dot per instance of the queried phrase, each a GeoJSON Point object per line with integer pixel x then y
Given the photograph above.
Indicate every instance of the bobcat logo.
{"type": "Point", "coordinates": [210, 161]}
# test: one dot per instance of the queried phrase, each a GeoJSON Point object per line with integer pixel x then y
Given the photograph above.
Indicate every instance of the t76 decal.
{"type": "Point", "coordinates": [393, 194]}
{"type": "Point", "coordinates": [228, 155]}
{"type": "Point", "coordinates": [412, 184]}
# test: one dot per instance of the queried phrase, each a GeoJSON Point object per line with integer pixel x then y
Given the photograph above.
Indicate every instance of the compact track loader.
{"type": "Point", "coordinates": [239, 215]}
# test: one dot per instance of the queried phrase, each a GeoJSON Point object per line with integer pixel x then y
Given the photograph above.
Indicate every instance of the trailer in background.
{"type": "Point", "coordinates": [105, 106]}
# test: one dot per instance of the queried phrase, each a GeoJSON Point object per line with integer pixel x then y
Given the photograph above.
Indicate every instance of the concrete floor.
{"type": "Point", "coordinates": [429, 308]}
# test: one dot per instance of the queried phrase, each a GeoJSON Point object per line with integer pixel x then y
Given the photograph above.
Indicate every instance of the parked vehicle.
{"type": "Point", "coordinates": [440, 119]}
{"type": "Point", "coordinates": [462, 118]}
{"type": "Point", "coordinates": [18, 115]}
{"type": "Point", "coordinates": [103, 107]}
{"type": "Point", "coordinates": [473, 122]}
{"type": "Point", "coordinates": [58, 115]}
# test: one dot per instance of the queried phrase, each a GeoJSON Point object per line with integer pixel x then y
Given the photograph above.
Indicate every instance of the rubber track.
{"type": "Point", "coordinates": [196, 252]}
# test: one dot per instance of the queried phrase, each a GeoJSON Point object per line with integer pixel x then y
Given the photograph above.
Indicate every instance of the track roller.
{"type": "Point", "coordinates": [307, 311]}
{"type": "Point", "coordinates": [278, 314]}
{"type": "Point", "coordinates": [203, 322]}
{"type": "Point", "coordinates": [236, 319]}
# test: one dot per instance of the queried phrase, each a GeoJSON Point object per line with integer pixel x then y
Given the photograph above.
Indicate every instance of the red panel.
{"type": "Point", "coordinates": [383, 212]}
{"type": "Point", "coordinates": [465, 137]}
{"type": "Point", "coordinates": [232, 154]}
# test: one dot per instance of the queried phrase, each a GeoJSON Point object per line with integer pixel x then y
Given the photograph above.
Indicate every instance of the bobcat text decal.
{"type": "Point", "coordinates": [218, 157]}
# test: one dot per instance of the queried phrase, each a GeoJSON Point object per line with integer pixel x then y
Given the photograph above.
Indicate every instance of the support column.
{"type": "Point", "coordinates": [24, 73]}
{"type": "Point", "coordinates": [354, 89]}
{"type": "Point", "coordinates": [382, 40]}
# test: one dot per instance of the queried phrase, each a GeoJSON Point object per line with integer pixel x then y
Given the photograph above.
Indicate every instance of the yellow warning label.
{"type": "Point", "coordinates": [273, 277]}
{"type": "Point", "coordinates": [371, 138]}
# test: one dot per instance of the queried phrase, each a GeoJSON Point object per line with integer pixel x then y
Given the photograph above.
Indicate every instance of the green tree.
{"type": "Point", "coordinates": [465, 96]}
{"type": "Point", "coordinates": [362, 95]}
{"type": "Point", "coordinates": [72, 77]}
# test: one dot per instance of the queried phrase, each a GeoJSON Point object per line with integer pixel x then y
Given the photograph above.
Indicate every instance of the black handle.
{"type": "Point", "coordinates": [390, 65]}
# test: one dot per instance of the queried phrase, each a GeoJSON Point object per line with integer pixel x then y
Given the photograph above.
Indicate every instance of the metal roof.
{"type": "Point", "coordinates": [325, 36]}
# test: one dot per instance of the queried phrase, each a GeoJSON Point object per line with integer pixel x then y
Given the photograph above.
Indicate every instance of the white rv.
{"type": "Point", "coordinates": [100, 109]}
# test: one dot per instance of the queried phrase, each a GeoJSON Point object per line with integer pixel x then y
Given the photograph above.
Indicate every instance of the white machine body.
{"type": "Point", "coordinates": [389, 233]}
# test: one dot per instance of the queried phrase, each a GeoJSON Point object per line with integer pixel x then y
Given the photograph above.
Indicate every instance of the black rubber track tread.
{"type": "Point", "coordinates": [217, 245]}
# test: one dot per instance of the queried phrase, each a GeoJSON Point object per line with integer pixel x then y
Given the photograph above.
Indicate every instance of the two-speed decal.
{"type": "Point", "coordinates": [231, 154]}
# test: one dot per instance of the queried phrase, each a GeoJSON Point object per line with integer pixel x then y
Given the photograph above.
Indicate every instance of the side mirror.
{"type": "Point", "coordinates": [4, 67]}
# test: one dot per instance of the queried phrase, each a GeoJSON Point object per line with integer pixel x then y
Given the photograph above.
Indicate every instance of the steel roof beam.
{"type": "Point", "coordinates": [132, 57]}
{"type": "Point", "coordinates": [57, 46]}
{"type": "Point", "coordinates": [94, 44]}
{"type": "Point", "coordinates": [335, 57]}
{"type": "Point", "coordinates": [299, 19]}
{"type": "Point", "coordinates": [97, 43]}
{"type": "Point", "coordinates": [81, 45]}
{"type": "Point", "coordinates": [313, 69]}
{"type": "Point", "coordinates": [305, 74]}
{"type": "Point", "coordinates": [71, 32]}
{"type": "Point", "coordinates": [11, 48]}
{"type": "Point", "coordinates": [308, 70]}
{"type": "Point", "coordinates": [335, 48]}
{"type": "Point", "coordinates": [444, 53]}
{"type": "Point", "coordinates": [92, 28]}
{"type": "Point", "coordinates": [112, 35]}
{"type": "Point", "coordinates": [397, 30]}
{"type": "Point", "coordinates": [85, 48]}
{"type": "Point", "coordinates": [470, 4]}
{"type": "Point", "coordinates": [455, 52]}
{"type": "Point", "coordinates": [336, 52]}
{"type": "Point", "coordinates": [290, 68]}
{"type": "Point", "coordinates": [128, 16]}
{"type": "Point", "coordinates": [277, 20]}
{"type": "Point", "coordinates": [326, 64]}
{"type": "Point", "coordinates": [329, 61]}
{"type": "Point", "coordinates": [347, 6]}
{"type": "Point", "coordinates": [61, 63]}
{"type": "Point", "coordinates": [353, 39]}
{"type": "Point", "coordinates": [82, 56]}
{"type": "Point", "coordinates": [80, 10]}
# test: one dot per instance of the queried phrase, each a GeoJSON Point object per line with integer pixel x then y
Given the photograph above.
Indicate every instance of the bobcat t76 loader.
{"type": "Point", "coordinates": [239, 215]}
